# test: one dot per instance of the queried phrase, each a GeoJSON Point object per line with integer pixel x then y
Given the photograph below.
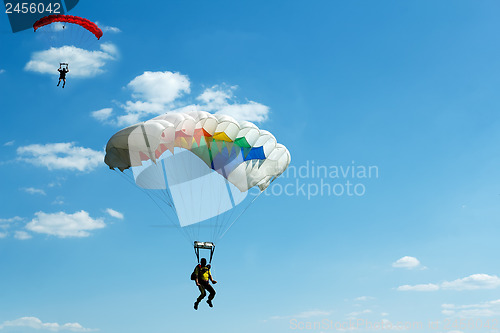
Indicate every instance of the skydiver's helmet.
{"type": "Point", "coordinates": [203, 261]}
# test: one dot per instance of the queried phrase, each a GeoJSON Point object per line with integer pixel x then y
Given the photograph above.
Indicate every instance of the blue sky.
{"type": "Point", "coordinates": [408, 88]}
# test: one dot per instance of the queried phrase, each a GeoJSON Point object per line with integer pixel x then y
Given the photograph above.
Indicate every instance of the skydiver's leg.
{"type": "Point", "coordinates": [64, 82]}
{"type": "Point", "coordinates": [212, 294]}
{"type": "Point", "coordinates": [58, 83]}
{"type": "Point", "coordinates": [211, 290]}
{"type": "Point", "coordinates": [203, 293]}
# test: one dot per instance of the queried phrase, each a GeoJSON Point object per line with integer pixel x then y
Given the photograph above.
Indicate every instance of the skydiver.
{"type": "Point", "coordinates": [202, 278]}
{"type": "Point", "coordinates": [62, 74]}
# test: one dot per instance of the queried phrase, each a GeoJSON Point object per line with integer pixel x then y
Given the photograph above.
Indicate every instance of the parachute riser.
{"type": "Point", "coordinates": [206, 246]}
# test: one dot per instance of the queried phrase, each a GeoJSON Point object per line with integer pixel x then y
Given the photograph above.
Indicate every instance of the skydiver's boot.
{"type": "Point", "coordinates": [64, 83]}
{"type": "Point", "coordinates": [58, 83]}
{"type": "Point", "coordinates": [196, 305]}
{"type": "Point", "coordinates": [209, 302]}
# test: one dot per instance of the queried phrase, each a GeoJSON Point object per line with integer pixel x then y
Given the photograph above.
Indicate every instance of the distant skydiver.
{"type": "Point", "coordinates": [62, 73]}
{"type": "Point", "coordinates": [202, 276]}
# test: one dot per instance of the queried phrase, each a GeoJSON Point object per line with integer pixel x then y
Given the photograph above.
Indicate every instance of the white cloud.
{"type": "Point", "coordinates": [8, 223]}
{"type": "Point", "coordinates": [251, 111]}
{"type": "Point", "coordinates": [10, 143]}
{"type": "Point", "coordinates": [2, 71]}
{"type": "Point", "coordinates": [65, 225]}
{"type": "Point", "coordinates": [12, 219]}
{"type": "Point", "coordinates": [304, 315]}
{"type": "Point", "coordinates": [313, 313]}
{"type": "Point", "coordinates": [406, 262]}
{"type": "Point", "coordinates": [363, 298]}
{"type": "Point", "coordinates": [110, 49]}
{"type": "Point", "coordinates": [82, 63]}
{"type": "Point", "coordinates": [108, 29]}
{"type": "Point", "coordinates": [114, 213]}
{"type": "Point", "coordinates": [114, 30]}
{"type": "Point", "coordinates": [57, 182]}
{"type": "Point", "coordinates": [102, 115]}
{"type": "Point", "coordinates": [155, 93]}
{"type": "Point", "coordinates": [58, 201]}
{"type": "Point", "coordinates": [35, 323]}
{"type": "Point", "coordinates": [32, 190]}
{"type": "Point", "coordinates": [354, 315]}
{"type": "Point", "coordinates": [489, 304]}
{"type": "Point", "coordinates": [159, 87]}
{"type": "Point", "coordinates": [21, 235]}
{"type": "Point", "coordinates": [473, 282]}
{"type": "Point", "coordinates": [3, 235]}
{"type": "Point", "coordinates": [217, 99]}
{"type": "Point", "coordinates": [59, 156]}
{"type": "Point", "coordinates": [485, 309]}
{"type": "Point", "coordinates": [419, 287]}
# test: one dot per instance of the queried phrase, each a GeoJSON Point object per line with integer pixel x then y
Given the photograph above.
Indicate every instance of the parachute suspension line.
{"type": "Point", "coordinates": [240, 215]}
{"type": "Point", "coordinates": [168, 218]}
{"type": "Point", "coordinates": [171, 200]}
{"type": "Point", "coordinates": [122, 174]}
{"type": "Point", "coordinates": [64, 35]}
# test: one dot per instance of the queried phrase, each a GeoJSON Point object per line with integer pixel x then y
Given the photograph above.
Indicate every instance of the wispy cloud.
{"type": "Point", "coordinates": [304, 315]}
{"type": "Point", "coordinates": [8, 223]}
{"type": "Point", "coordinates": [472, 282]}
{"type": "Point", "coordinates": [32, 190]}
{"type": "Point", "coordinates": [62, 225]}
{"type": "Point", "coordinates": [2, 71]}
{"type": "Point", "coordinates": [363, 298]}
{"type": "Point", "coordinates": [356, 314]}
{"type": "Point", "coordinates": [57, 183]}
{"type": "Point", "coordinates": [114, 213]}
{"type": "Point", "coordinates": [60, 156]}
{"type": "Point", "coordinates": [12, 219]}
{"type": "Point", "coordinates": [485, 309]}
{"type": "Point", "coordinates": [35, 323]}
{"type": "Point", "coordinates": [102, 115]}
{"type": "Point", "coordinates": [58, 201]}
{"type": "Point", "coordinates": [9, 143]}
{"type": "Point", "coordinates": [83, 63]}
{"type": "Point", "coordinates": [408, 263]}
{"type": "Point", "coordinates": [21, 235]}
{"type": "Point", "coordinates": [419, 287]}
{"type": "Point", "coordinates": [108, 29]}
{"type": "Point", "coordinates": [154, 93]}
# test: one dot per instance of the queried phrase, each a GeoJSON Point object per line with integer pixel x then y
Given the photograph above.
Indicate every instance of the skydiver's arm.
{"type": "Point", "coordinates": [211, 279]}
{"type": "Point", "coordinates": [196, 272]}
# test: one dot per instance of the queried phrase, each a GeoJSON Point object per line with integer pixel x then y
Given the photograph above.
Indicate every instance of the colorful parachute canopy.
{"type": "Point", "coordinates": [90, 26]}
{"type": "Point", "coordinates": [201, 165]}
{"type": "Point", "coordinates": [242, 153]}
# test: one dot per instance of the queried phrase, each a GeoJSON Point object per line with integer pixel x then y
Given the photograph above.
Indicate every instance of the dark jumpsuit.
{"type": "Point", "coordinates": [62, 73]}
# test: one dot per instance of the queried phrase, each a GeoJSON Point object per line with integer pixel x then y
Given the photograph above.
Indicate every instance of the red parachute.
{"type": "Point", "coordinates": [89, 25]}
